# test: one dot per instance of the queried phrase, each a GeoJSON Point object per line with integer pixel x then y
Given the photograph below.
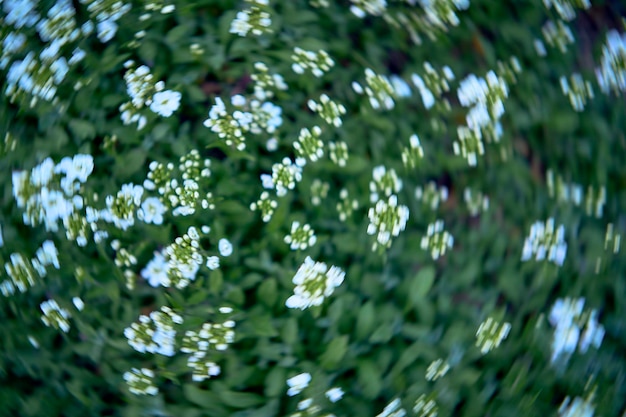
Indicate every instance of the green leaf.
{"type": "Point", "coordinates": [240, 399]}
{"type": "Point", "coordinates": [267, 292]}
{"type": "Point", "coordinates": [262, 326]}
{"type": "Point", "coordinates": [289, 331]}
{"type": "Point", "coordinates": [382, 334]}
{"type": "Point", "coordinates": [421, 284]}
{"type": "Point", "coordinates": [82, 129]}
{"type": "Point", "coordinates": [335, 351]}
{"type": "Point", "coordinates": [216, 281]}
{"type": "Point", "coordinates": [365, 320]}
{"type": "Point", "coordinates": [369, 378]}
{"type": "Point", "coordinates": [275, 382]}
{"type": "Point", "coordinates": [129, 163]}
{"type": "Point", "coordinates": [209, 401]}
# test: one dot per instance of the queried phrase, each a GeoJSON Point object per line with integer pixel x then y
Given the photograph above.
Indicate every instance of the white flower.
{"type": "Point", "coordinates": [225, 247]}
{"type": "Point", "coordinates": [78, 303]}
{"type": "Point", "coordinates": [156, 270]}
{"type": "Point", "coordinates": [151, 211]}
{"type": "Point", "coordinates": [165, 103]}
{"type": "Point", "coordinates": [298, 383]}
{"type": "Point", "coordinates": [334, 394]}
{"type": "Point", "coordinates": [212, 262]}
{"type": "Point", "coordinates": [106, 30]}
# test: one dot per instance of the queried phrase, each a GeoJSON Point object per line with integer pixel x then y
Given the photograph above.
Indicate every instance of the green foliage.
{"type": "Point", "coordinates": [423, 215]}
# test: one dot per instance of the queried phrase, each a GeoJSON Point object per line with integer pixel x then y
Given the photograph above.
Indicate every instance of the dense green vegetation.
{"type": "Point", "coordinates": [312, 207]}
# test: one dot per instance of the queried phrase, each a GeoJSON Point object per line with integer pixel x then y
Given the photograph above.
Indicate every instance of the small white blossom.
{"type": "Point", "coordinates": [225, 247]}
{"type": "Point", "coordinates": [298, 383]}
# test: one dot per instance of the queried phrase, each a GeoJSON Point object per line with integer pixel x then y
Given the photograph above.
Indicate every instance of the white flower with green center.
{"type": "Point", "coordinates": [545, 242]}
{"type": "Point", "coordinates": [301, 236]}
{"type": "Point", "coordinates": [265, 205]}
{"type": "Point", "coordinates": [55, 316]}
{"type": "Point", "coordinates": [318, 63]}
{"type": "Point", "coordinates": [309, 145]}
{"type": "Point", "coordinates": [387, 220]}
{"type": "Point", "coordinates": [165, 103]}
{"type": "Point", "coordinates": [437, 240]}
{"type": "Point", "coordinates": [328, 110]}
{"type": "Point", "coordinates": [285, 176]}
{"type": "Point", "coordinates": [490, 334]}
{"type": "Point", "coordinates": [338, 153]}
{"type": "Point", "coordinates": [151, 211]}
{"type": "Point", "coordinates": [314, 282]}
{"type": "Point", "coordinates": [141, 381]}
{"type": "Point", "coordinates": [384, 183]}
{"type": "Point", "coordinates": [413, 153]}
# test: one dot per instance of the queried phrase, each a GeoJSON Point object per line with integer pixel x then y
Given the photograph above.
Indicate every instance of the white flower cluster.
{"type": "Point", "coordinates": [156, 6]}
{"type": "Point", "coordinates": [55, 316]}
{"type": "Point", "coordinates": [577, 90]}
{"type": "Point", "coordinates": [120, 209]}
{"type": "Point", "coordinates": [490, 334]}
{"type": "Point", "coordinates": [431, 195]}
{"type": "Point", "coordinates": [437, 240]}
{"type": "Point", "coordinates": [413, 153]}
{"type": "Point", "coordinates": [211, 336]}
{"type": "Point", "coordinates": [568, 319]}
{"type": "Point", "coordinates": [384, 183]}
{"type": "Point", "coordinates": [300, 237]}
{"type": "Point", "coordinates": [425, 406]}
{"type": "Point", "coordinates": [141, 381]}
{"type": "Point", "coordinates": [476, 201]}
{"type": "Point", "coordinates": [543, 241]}
{"type": "Point", "coordinates": [437, 369]}
{"type": "Point", "coordinates": [611, 74]}
{"type": "Point", "coordinates": [183, 259]}
{"type": "Point", "coordinates": [565, 8]}
{"type": "Point", "coordinates": [143, 91]}
{"type": "Point", "coordinates": [346, 206]}
{"type": "Point", "coordinates": [255, 19]}
{"type": "Point", "coordinates": [318, 63]}
{"type": "Point", "coordinates": [338, 152]}
{"type": "Point", "coordinates": [251, 116]}
{"type": "Point", "coordinates": [362, 8]}
{"type": "Point", "coordinates": [309, 145]}
{"type": "Point", "coordinates": [393, 409]}
{"type": "Point", "coordinates": [47, 193]}
{"type": "Point", "coordinates": [469, 144]}
{"type": "Point", "coordinates": [319, 191]}
{"type": "Point", "coordinates": [328, 110]}
{"type": "Point", "coordinates": [265, 83]}
{"type": "Point", "coordinates": [106, 13]}
{"type": "Point", "coordinates": [307, 407]}
{"type": "Point", "coordinates": [579, 407]}
{"type": "Point", "coordinates": [433, 84]}
{"type": "Point", "coordinates": [556, 35]}
{"type": "Point", "coordinates": [387, 220]}
{"type": "Point", "coordinates": [39, 76]}
{"type": "Point", "coordinates": [155, 333]}
{"type": "Point", "coordinates": [564, 192]}
{"type": "Point", "coordinates": [314, 282]}
{"type": "Point", "coordinates": [266, 205]}
{"type": "Point", "coordinates": [284, 177]}
{"type": "Point", "coordinates": [378, 89]}
{"type": "Point", "coordinates": [23, 274]}
{"type": "Point", "coordinates": [484, 97]}
{"type": "Point", "coordinates": [441, 13]}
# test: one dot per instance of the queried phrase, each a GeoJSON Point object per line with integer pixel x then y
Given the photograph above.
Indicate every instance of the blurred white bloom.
{"type": "Point", "coordinates": [225, 247]}
{"type": "Point", "coordinates": [314, 282]}
{"type": "Point", "coordinates": [578, 408]}
{"type": "Point", "coordinates": [212, 262]}
{"type": "Point", "coordinates": [568, 318]}
{"type": "Point", "coordinates": [78, 303]}
{"type": "Point", "coordinates": [106, 30]}
{"type": "Point", "coordinates": [141, 381]}
{"type": "Point", "coordinates": [545, 242]}
{"type": "Point", "coordinates": [298, 383]}
{"type": "Point", "coordinates": [387, 220]}
{"type": "Point", "coordinates": [611, 74]}
{"type": "Point", "coordinates": [393, 409]}
{"type": "Point", "coordinates": [300, 237]}
{"type": "Point", "coordinates": [334, 394]}
{"type": "Point", "coordinates": [151, 211]}
{"type": "Point", "coordinates": [165, 103]}
{"type": "Point", "coordinates": [156, 270]}
{"type": "Point", "coordinates": [55, 316]}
